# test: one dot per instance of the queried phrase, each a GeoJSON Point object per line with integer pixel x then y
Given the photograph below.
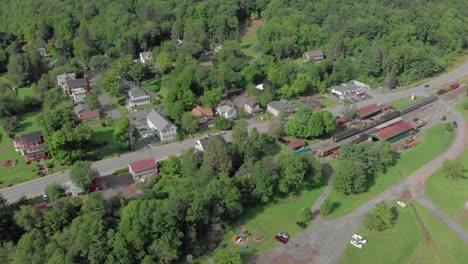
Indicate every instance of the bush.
{"type": "Point", "coordinates": [222, 123]}
{"type": "Point", "coordinates": [465, 104]}
{"type": "Point", "coordinates": [448, 127]}
{"type": "Point", "coordinates": [327, 207]}
{"type": "Point", "coordinates": [306, 214]}
{"type": "Point", "coordinates": [50, 165]}
{"type": "Point", "coordinates": [120, 171]}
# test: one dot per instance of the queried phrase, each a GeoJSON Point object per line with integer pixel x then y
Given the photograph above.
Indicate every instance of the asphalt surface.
{"type": "Point", "coordinates": [108, 107]}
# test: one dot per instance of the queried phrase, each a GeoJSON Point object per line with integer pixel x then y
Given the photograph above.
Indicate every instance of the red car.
{"type": "Point", "coordinates": [281, 239]}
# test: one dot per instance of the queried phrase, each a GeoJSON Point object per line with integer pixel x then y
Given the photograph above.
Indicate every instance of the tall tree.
{"type": "Point", "coordinates": [121, 133]}
{"type": "Point", "coordinates": [453, 169]}
{"type": "Point", "coordinates": [81, 173]}
{"type": "Point", "coordinates": [216, 155]}
{"type": "Point", "coordinates": [380, 218]}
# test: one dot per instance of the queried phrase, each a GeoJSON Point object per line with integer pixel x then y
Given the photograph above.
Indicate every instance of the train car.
{"type": "Point", "coordinates": [359, 138]}
{"type": "Point", "coordinates": [419, 104]}
{"type": "Point", "coordinates": [327, 150]}
{"type": "Point", "coordinates": [345, 134]}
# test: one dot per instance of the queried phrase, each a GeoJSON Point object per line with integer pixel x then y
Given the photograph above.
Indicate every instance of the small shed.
{"type": "Point", "coordinates": [393, 133]}
{"type": "Point", "coordinates": [296, 144]}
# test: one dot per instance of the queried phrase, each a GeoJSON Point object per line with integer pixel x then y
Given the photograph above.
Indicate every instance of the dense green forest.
{"type": "Point", "coordinates": [381, 42]}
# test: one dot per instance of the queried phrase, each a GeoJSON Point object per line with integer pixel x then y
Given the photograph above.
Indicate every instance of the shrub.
{"type": "Point", "coordinates": [465, 105]}
{"type": "Point", "coordinates": [326, 208]}
{"type": "Point", "coordinates": [448, 127]}
{"type": "Point", "coordinates": [120, 171]}
{"type": "Point", "coordinates": [50, 165]}
{"type": "Point", "coordinates": [306, 214]}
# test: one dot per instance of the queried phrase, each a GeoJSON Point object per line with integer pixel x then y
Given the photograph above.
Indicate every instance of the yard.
{"type": "Point", "coordinates": [103, 134]}
{"type": "Point", "coordinates": [154, 85]}
{"type": "Point", "coordinates": [436, 141]}
{"type": "Point", "coordinates": [404, 242]}
{"type": "Point", "coordinates": [249, 41]}
{"type": "Point", "coordinates": [405, 102]}
{"type": "Point", "coordinates": [26, 92]}
{"type": "Point", "coordinates": [451, 195]}
{"type": "Point", "coordinates": [29, 123]}
{"type": "Point", "coordinates": [267, 221]}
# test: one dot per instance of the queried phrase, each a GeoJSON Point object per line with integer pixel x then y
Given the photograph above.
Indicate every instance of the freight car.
{"type": "Point", "coordinates": [419, 104]}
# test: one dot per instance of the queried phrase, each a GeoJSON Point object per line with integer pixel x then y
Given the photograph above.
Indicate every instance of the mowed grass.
{"type": "Point", "coordinates": [459, 107]}
{"type": "Point", "coordinates": [103, 134]}
{"type": "Point", "coordinates": [26, 92]}
{"type": "Point", "coordinates": [267, 221]}
{"type": "Point", "coordinates": [249, 42]}
{"type": "Point", "coordinates": [405, 102]}
{"type": "Point", "coordinates": [451, 195]}
{"type": "Point", "coordinates": [29, 123]}
{"type": "Point", "coordinates": [436, 141]}
{"type": "Point", "coordinates": [404, 242]}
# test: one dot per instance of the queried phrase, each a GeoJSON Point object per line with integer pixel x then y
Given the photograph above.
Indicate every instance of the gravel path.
{"type": "Point", "coordinates": [326, 241]}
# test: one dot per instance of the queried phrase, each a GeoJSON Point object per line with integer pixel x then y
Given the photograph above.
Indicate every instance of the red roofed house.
{"type": "Point", "coordinates": [31, 146]}
{"type": "Point", "coordinates": [85, 114]}
{"type": "Point", "coordinates": [295, 144]}
{"type": "Point", "coordinates": [393, 132]}
{"type": "Point", "coordinates": [202, 114]}
{"type": "Point", "coordinates": [142, 169]}
{"type": "Point", "coordinates": [368, 111]}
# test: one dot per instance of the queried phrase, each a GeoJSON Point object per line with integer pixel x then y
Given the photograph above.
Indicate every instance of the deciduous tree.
{"type": "Point", "coordinates": [81, 173]}
{"type": "Point", "coordinates": [380, 218]}
{"type": "Point", "coordinates": [453, 169]}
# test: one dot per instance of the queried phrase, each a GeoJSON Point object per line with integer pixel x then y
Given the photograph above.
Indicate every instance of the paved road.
{"type": "Point", "coordinates": [108, 107]}
{"type": "Point", "coordinates": [108, 166]}
{"type": "Point", "coordinates": [326, 241]}
{"type": "Point", "coordinates": [105, 167]}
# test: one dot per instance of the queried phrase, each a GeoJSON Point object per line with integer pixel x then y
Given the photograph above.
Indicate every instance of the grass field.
{"type": "Point", "coordinates": [154, 85]}
{"type": "Point", "coordinates": [459, 107]}
{"type": "Point", "coordinates": [450, 195]}
{"type": "Point", "coordinates": [435, 143]}
{"type": "Point", "coordinates": [29, 123]}
{"type": "Point", "coordinates": [404, 242]}
{"type": "Point", "coordinates": [405, 102]}
{"type": "Point", "coordinates": [249, 42]}
{"type": "Point", "coordinates": [103, 134]}
{"type": "Point", "coordinates": [26, 91]}
{"type": "Point", "coordinates": [267, 221]}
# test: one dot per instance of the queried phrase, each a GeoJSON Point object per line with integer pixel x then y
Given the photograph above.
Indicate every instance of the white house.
{"type": "Point", "coordinates": [142, 169]}
{"type": "Point", "coordinates": [78, 95]}
{"type": "Point", "coordinates": [146, 57]}
{"type": "Point", "coordinates": [226, 111]}
{"type": "Point", "coordinates": [351, 87]}
{"type": "Point", "coordinates": [71, 189]}
{"type": "Point", "coordinates": [162, 127]}
{"type": "Point", "coordinates": [62, 80]}
{"type": "Point", "coordinates": [136, 96]}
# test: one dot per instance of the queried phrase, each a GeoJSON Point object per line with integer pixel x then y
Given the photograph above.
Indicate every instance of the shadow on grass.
{"type": "Point", "coordinates": [24, 126]}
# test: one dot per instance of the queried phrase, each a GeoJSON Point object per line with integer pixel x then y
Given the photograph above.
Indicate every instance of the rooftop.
{"type": "Point", "coordinates": [78, 90]}
{"type": "Point", "coordinates": [281, 105]}
{"type": "Point", "coordinates": [225, 108]}
{"type": "Point", "coordinates": [158, 119]}
{"type": "Point", "coordinates": [89, 114]}
{"type": "Point", "coordinates": [295, 144]}
{"type": "Point", "coordinates": [393, 130]}
{"type": "Point", "coordinates": [77, 83]}
{"type": "Point", "coordinates": [144, 164]}
{"type": "Point", "coordinates": [367, 110]}
{"type": "Point", "coordinates": [30, 137]}
{"type": "Point", "coordinates": [199, 111]}
{"type": "Point", "coordinates": [137, 92]}
{"type": "Point", "coordinates": [314, 53]}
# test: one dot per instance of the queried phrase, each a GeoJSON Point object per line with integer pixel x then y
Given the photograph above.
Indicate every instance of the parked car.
{"type": "Point", "coordinates": [301, 225]}
{"type": "Point", "coordinates": [454, 124]}
{"type": "Point", "coordinates": [360, 239]}
{"type": "Point", "coordinates": [426, 85]}
{"type": "Point", "coordinates": [281, 239]}
{"type": "Point", "coordinates": [401, 204]}
{"type": "Point", "coordinates": [443, 118]}
{"type": "Point", "coordinates": [283, 235]}
{"type": "Point", "coordinates": [355, 243]}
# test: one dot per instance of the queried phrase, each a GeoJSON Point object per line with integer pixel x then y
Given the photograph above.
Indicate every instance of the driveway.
{"type": "Point", "coordinates": [108, 107]}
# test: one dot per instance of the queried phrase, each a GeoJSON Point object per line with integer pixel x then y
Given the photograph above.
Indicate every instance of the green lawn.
{"type": "Point", "coordinates": [249, 42]}
{"type": "Point", "coordinates": [459, 107]}
{"type": "Point", "coordinates": [267, 221]}
{"type": "Point", "coordinates": [450, 195]}
{"type": "Point", "coordinates": [29, 123]}
{"type": "Point", "coordinates": [405, 102]}
{"type": "Point", "coordinates": [436, 142]}
{"type": "Point", "coordinates": [404, 243]}
{"type": "Point", "coordinates": [26, 91]}
{"type": "Point", "coordinates": [154, 85]}
{"type": "Point", "coordinates": [103, 134]}
{"type": "Point", "coordinates": [4, 79]}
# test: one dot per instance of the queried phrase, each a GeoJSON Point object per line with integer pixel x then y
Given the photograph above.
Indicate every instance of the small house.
{"type": "Point", "coordinates": [135, 97]}
{"type": "Point", "coordinates": [315, 55]}
{"type": "Point", "coordinates": [252, 106]}
{"type": "Point", "coordinates": [296, 144]}
{"type": "Point", "coordinates": [75, 84]}
{"type": "Point", "coordinates": [62, 80]}
{"type": "Point", "coordinates": [146, 57]}
{"type": "Point", "coordinates": [78, 95]}
{"type": "Point", "coordinates": [282, 106]}
{"type": "Point", "coordinates": [226, 111]}
{"type": "Point", "coordinates": [86, 114]}
{"type": "Point", "coordinates": [352, 87]}
{"type": "Point", "coordinates": [312, 104]}
{"type": "Point", "coordinates": [31, 146]}
{"type": "Point", "coordinates": [142, 169]}
{"type": "Point", "coordinates": [163, 128]}
{"type": "Point", "coordinates": [202, 114]}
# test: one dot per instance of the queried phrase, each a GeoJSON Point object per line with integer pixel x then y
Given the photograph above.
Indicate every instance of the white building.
{"type": "Point", "coordinates": [146, 57]}
{"type": "Point", "coordinates": [162, 127]}
{"type": "Point", "coordinates": [226, 111]}
{"type": "Point", "coordinates": [78, 95]}
{"type": "Point", "coordinates": [137, 96]}
{"type": "Point", "coordinates": [351, 87]}
{"type": "Point", "coordinates": [62, 80]}
{"type": "Point", "coordinates": [142, 169]}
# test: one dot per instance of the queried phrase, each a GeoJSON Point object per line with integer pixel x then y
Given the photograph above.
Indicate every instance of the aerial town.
{"type": "Point", "coordinates": [230, 132]}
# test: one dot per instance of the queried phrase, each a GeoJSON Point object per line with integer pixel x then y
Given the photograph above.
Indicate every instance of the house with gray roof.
{"type": "Point", "coordinates": [227, 111]}
{"type": "Point", "coordinates": [75, 84]}
{"type": "Point", "coordinates": [282, 106]}
{"type": "Point", "coordinates": [62, 80]}
{"type": "Point", "coordinates": [163, 128]}
{"type": "Point", "coordinates": [315, 55]}
{"type": "Point", "coordinates": [136, 96]}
